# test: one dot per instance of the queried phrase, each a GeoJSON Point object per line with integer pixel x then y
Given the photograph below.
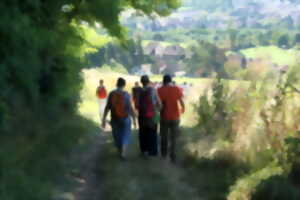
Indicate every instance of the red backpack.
{"type": "Point", "coordinates": [118, 103]}
{"type": "Point", "coordinates": [146, 105]}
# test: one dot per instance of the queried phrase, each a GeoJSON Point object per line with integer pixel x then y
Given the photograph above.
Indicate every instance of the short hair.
{"type": "Point", "coordinates": [121, 82]}
{"type": "Point", "coordinates": [145, 80]}
{"type": "Point", "coordinates": [101, 81]}
{"type": "Point", "coordinates": [167, 79]}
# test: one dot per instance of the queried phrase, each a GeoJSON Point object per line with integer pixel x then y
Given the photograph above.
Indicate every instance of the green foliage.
{"type": "Point", "coordinates": [214, 111]}
{"type": "Point", "coordinates": [297, 38]}
{"type": "Point", "coordinates": [93, 40]}
{"type": "Point", "coordinates": [233, 36]}
{"type": "Point", "coordinates": [130, 57]}
{"type": "Point", "coordinates": [207, 60]}
{"type": "Point", "coordinates": [283, 41]}
{"type": "Point", "coordinates": [292, 147]}
{"type": "Point", "coordinates": [276, 188]}
{"type": "Point", "coordinates": [158, 37]}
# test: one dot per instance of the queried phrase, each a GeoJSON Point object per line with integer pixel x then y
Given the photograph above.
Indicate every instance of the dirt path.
{"type": "Point", "coordinates": [89, 178]}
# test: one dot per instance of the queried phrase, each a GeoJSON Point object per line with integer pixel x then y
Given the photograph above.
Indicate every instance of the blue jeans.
{"type": "Point", "coordinates": [121, 130]}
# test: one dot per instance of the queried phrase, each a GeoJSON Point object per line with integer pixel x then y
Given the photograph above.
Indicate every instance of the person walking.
{"type": "Point", "coordinates": [101, 95]}
{"type": "Point", "coordinates": [170, 96]}
{"type": "Point", "coordinates": [148, 108]}
{"type": "Point", "coordinates": [136, 90]}
{"type": "Point", "coordinates": [119, 104]}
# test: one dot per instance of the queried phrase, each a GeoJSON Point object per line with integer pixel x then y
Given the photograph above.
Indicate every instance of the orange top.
{"type": "Point", "coordinates": [170, 95]}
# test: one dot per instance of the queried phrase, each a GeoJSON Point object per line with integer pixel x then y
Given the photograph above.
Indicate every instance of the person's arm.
{"type": "Point", "coordinates": [97, 90]}
{"type": "Point", "coordinates": [181, 102]}
{"type": "Point", "coordinates": [182, 105]}
{"type": "Point", "coordinates": [132, 113]}
{"type": "Point", "coordinates": [106, 111]}
{"type": "Point", "coordinates": [158, 100]}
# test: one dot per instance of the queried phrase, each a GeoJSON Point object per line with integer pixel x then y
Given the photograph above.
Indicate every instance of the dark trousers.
{"type": "Point", "coordinates": [148, 136]}
{"type": "Point", "coordinates": [169, 132]}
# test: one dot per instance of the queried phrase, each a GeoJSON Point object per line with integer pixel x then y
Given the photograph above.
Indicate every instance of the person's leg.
{"type": "Point", "coordinates": [125, 133]}
{"type": "Point", "coordinates": [174, 126]}
{"type": "Point", "coordinates": [100, 112]}
{"type": "Point", "coordinates": [164, 138]}
{"type": "Point", "coordinates": [102, 106]}
{"type": "Point", "coordinates": [116, 135]}
{"type": "Point", "coordinates": [142, 136]}
{"type": "Point", "coordinates": [153, 140]}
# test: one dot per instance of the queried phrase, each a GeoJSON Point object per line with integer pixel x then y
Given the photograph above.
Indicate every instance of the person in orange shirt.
{"type": "Point", "coordinates": [170, 96]}
{"type": "Point", "coordinates": [101, 94]}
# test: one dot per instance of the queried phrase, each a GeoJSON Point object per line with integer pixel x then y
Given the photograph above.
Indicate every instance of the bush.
{"type": "Point", "coordinates": [276, 188]}
{"type": "Point", "coordinates": [214, 112]}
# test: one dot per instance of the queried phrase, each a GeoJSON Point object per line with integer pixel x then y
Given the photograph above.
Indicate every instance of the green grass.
{"type": "Point", "coordinates": [275, 54]}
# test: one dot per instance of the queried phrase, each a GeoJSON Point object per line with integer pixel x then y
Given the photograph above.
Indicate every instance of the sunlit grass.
{"type": "Point", "coordinates": [274, 54]}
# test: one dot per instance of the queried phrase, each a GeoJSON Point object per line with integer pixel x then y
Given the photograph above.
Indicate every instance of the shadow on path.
{"type": "Point", "coordinates": [89, 179]}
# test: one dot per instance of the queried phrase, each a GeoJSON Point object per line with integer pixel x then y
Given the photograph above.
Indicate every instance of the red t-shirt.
{"type": "Point", "coordinates": [101, 92]}
{"type": "Point", "coordinates": [170, 95]}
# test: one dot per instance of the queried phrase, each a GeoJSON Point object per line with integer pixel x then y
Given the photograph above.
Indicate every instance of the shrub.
{"type": "Point", "coordinates": [214, 111]}
{"type": "Point", "coordinates": [276, 188]}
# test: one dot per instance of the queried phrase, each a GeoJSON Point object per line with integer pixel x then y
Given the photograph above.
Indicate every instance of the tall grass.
{"type": "Point", "coordinates": [251, 125]}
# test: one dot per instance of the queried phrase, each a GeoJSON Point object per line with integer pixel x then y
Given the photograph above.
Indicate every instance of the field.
{"type": "Point", "coordinates": [275, 54]}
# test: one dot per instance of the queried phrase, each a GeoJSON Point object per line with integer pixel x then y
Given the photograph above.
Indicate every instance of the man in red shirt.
{"type": "Point", "coordinates": [170, 96]}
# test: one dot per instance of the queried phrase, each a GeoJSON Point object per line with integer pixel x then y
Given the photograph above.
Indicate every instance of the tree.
{"type": "Point", "coordinates": [287, 22]}
{"type": "Point", "coordinates": [283, 41]}
{"type": "Point", "coordinates": [232, 37]}
{"type": "Point", "coordinates": [297, 38]}
{"type": "Point", "coordinates": [130, 57]}
{"type": "Point", "coordinates": [206, 60]}
{"type": "Point", "coordinates": [158, 37]}
{"type": "Point", "coordinates": [263, 39]}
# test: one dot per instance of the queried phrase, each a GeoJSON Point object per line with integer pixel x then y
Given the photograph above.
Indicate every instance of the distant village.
{"type": "Point", "coordinates": [243, 14]}
{"type": "Point", "coordinates": [247, 13]}
{"type": "Point", "coordinates": [169, 59]}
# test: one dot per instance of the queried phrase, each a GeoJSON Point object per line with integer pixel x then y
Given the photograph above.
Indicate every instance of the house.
{"type": "Point", "coordinates": [154, 49]}
{"type": "Point", "coordinates": [237, 59]}
{"type": "Point", "coordinates": [174, 50]}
